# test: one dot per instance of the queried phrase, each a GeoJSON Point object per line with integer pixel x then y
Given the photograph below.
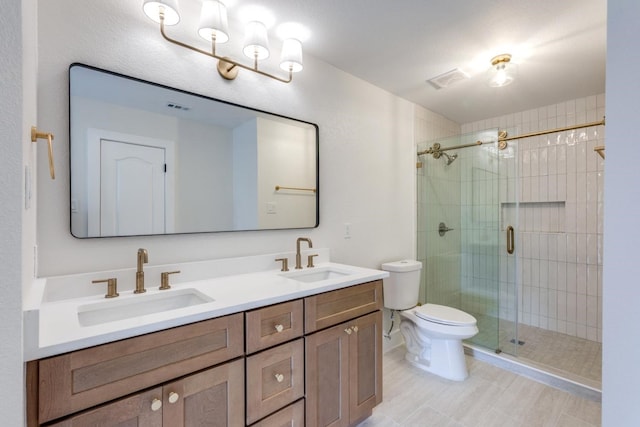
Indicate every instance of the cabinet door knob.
{"type": "Point", "coordinates": [355, 329]}
{"type": "Point", "coordinates": [279, 328]}
{"type": "Point", "coordinates": [279, 377]}
{"type": "Point", "coordinates": [348, 331]}
{"type": "Point", "coordinates": [173, 397]}
{"type": "Point", "coordinates": [156, 404]}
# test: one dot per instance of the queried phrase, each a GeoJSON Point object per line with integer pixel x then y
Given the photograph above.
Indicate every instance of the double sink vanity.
{"type": "Point", "coordinates": [233, 342]}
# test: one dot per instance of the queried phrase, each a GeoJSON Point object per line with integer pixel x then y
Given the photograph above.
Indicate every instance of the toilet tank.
{"type": "Point", "coordinates": [402, 288]}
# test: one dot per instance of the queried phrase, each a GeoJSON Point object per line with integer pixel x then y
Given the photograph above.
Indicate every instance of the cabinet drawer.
{"type": "Point", "coordinates": [84, 378]}
{"type": "Point", "coordinates": [273, 325]}
{"type": "Point", "coordinates": [275, 378]}
{"type": "Point", "coordinates": [332, 308]}
{"type": "Point", "coordinates": [291, 416]}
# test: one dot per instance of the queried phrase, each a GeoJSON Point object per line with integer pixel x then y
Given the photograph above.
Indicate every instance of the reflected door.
{"type": "Point", "coordinates": [132, 189]}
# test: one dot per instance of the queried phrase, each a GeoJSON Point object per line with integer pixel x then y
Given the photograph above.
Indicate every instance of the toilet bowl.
{"type": "Point", "coordinates": [432, 333]}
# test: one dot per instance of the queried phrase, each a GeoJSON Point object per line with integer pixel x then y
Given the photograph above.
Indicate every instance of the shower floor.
{"type": "Point", "coordinates": [571, 357]}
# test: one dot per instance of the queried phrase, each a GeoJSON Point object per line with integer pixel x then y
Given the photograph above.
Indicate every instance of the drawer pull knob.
{"type": "Point", "coordinates": [156, 404]}
{"type": "Point", "coordinates": [279, 377]}
{"type": "Point", "coordinates": [348, 331]}
{"type": "Point", "coordinates": [279, 328]}
{"type": "Point", "coordinates": [173, 397]}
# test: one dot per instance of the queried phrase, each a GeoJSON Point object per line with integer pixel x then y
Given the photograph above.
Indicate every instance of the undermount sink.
{"type": "Point", "coordinates": [113, 310]}
{"type": "Point", "coordinates": [317, 274]}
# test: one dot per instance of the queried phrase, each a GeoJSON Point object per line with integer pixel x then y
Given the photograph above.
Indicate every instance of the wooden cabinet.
{"type": "Point", "coordinates": [212, 398]}
{"type": "Point", "coordinates": [315, 361]}
{"type": "Point", "coordinates": [85, 378]}
{"type": "Point", "coordinates": [344, 362]}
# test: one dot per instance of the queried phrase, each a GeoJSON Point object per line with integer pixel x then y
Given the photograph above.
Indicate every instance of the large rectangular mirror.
{"type": "Point", "coordinates": [149, 159]}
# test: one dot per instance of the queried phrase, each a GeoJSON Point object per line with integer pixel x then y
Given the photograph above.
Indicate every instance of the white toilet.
{"type": "Point", "coordinates": [432, 333]}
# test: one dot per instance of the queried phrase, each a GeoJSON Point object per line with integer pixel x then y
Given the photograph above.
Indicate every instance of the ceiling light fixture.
{"type": "Point", "coordinates": [502, 70]}
{"type": "Point", "coordinates": [214, 28]}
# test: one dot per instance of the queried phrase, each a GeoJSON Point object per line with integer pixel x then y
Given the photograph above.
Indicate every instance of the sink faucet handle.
{"type": "Point", "coordinates": [112, 286]}
{"type": "Point", "coordinates": [164, 279]}
{"type": "Point", "coordinates": [285, 263]}
{"type": "Point", "coordinates": [310, 260]}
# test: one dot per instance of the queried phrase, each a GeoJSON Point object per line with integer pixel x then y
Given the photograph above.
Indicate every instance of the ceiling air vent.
{"type": "Point", "coordinates": [449, 78]}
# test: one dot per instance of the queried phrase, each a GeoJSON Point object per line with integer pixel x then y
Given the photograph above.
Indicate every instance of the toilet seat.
{"type": "Point", "coordinates": [444, 315]}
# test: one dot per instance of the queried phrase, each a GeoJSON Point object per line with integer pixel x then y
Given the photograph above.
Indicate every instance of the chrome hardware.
{"type": "Point", "coordinates": [298, 256]}
{"type": "Point", "coordinates": [442, 229]}
{"type": "Point", "coordinates": [355, 329]}
{"type": "Point", "coordinates": [112, 287]}
{"type": "Point", "coordinates": [143, 258]}
{"type": "Point", "coordinates": [173, 397]}
{"type": "Point", "coordinates": [164, 279]}
{"type": "Point", "coordinates": [279, 377]}
{"type": "Point", "coordinates": [156, 404]}
{"type": "Point", "coordinates": [285, 263]}
{"type": "Point", "coordinates": [279, 328]}
{"type": "Point", "coordinates": [310, 260]}
{"type": "Point", "coordinates": [511, 242]}
{"type": "Point", "coordinates": [348, 331]}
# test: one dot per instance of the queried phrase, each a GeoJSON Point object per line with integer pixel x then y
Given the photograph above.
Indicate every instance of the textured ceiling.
{"type": "Point", "coordinates": [559, 47]}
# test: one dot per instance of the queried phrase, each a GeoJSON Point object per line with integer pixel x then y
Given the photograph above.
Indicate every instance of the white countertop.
{"type": "Point", "coordinates": [58, 328]}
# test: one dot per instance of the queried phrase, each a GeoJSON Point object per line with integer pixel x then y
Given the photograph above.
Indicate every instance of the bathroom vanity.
{"type": "Point", "coordinates": [310, 356]}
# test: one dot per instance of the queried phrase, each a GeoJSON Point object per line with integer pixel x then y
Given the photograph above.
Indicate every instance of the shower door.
{"type": "Point", "coordinates": [466, 203]}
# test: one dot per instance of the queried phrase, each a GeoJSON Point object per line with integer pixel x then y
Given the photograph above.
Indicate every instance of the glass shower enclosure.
{"type": "Point", "coordinates": [467, 217]}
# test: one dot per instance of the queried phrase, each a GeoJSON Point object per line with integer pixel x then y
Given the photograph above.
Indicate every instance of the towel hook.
{"type": "Point", "coordinates": [35, 135]}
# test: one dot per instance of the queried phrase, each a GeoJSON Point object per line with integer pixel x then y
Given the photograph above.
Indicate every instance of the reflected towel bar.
{"type": "Point", "coordinates": [280, 187]}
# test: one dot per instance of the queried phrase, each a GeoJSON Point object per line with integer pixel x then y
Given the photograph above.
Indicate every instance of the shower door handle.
{"type": "Point", "coordinates": [511, 240]}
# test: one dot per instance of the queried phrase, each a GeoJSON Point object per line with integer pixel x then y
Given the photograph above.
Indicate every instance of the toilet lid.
{"type": "Point", "coordinates": [444, 315]}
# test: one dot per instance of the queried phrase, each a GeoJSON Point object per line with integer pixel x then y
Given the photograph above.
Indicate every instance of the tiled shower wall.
{"type": "Point", "coordinates": [559, 236]}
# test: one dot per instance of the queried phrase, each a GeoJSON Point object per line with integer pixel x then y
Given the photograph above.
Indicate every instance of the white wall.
{"type": "Point", "coordinates": [17, 221]}
{"type": "Point", "coordinates": [621, 351]}
{"type": "Point", "coordinates": [366, 143]}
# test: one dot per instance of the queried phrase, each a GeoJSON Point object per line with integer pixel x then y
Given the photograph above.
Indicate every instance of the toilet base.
{"type": "Point", "coordinates": [450, 365]}
{"type": "Point", "coordinates": [438, 354]}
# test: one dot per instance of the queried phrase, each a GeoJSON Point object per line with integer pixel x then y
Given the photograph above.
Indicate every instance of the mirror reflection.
{"type": "Point", "coordinates": [148, 159]}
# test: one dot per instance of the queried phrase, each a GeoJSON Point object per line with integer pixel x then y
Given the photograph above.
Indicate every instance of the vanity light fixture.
{"type": "Point", "coordinates": [502, 70]}
{"type": "Point", "coordinates": [213, 27]}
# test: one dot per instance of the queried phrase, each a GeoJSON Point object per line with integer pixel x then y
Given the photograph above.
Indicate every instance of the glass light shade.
{"type": "Point", "coordinates": [213, 21]}
{"type": "Point", "coordinates": [291, 58]}
{"type": "Point", "coordinates": [501, 74]}
{"type": "Point", "coordinates": [152, 9]}
{"type": "Point", "coordinates": [256, 44]}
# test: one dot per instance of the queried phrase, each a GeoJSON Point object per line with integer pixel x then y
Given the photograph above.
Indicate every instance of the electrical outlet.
{"type": "Point", "coordinates": [271, 208]}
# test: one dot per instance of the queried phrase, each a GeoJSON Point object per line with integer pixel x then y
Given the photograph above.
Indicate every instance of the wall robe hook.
{"type": "Point", "coordinates": [35, 135]}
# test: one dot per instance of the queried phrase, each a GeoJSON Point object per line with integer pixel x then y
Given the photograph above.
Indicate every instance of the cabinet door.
{"type": "Point", "coordinates": [365, 365]}
{"type": "Point", "coordinates": [134, 411]}
{"type": "Point", "coordinates": [212, 398]}
{"type": "Point", "coordinates": [327, 374]}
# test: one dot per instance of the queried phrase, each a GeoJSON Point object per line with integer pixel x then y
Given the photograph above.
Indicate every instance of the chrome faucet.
{"type": "Point", "coordinates": [298, 256]}
{"type": "Point", "coordinates": [143, 258]}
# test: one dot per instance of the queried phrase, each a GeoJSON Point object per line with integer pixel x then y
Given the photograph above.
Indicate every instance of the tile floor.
{"type": "Point", "coordinates": [490, 397]}
{"type": "Point", "coordinates": [571, 357]}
